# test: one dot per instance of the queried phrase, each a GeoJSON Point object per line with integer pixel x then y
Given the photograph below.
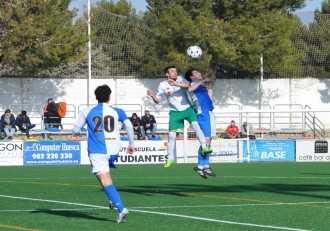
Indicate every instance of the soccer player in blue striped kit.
{"type": "Point", "coordinates": [104, 142]}
{"type": "Point", "coordinates": [175, 91]}
{"type": "Point", "coordinates": [203, 107]}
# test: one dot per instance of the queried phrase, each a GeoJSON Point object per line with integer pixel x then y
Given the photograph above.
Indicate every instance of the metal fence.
{"type": "Point", "coordinates": [281, 118]}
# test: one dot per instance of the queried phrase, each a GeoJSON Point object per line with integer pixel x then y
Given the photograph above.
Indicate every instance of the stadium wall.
{"type": "Point", "coordinates": [242, 92]}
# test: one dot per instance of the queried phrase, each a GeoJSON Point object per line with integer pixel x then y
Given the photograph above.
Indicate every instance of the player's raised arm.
{"type": "Point", "coordinates": [153, 96]}
{"type": "Point", "coordinates": [196, 85]}
{"type": "Point", "coordinates": [130, 133]}
{"type": "Point", "coordinates": [175, 83]}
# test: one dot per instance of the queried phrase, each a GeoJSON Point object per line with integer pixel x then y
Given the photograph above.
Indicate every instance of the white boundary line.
{"type": "Point", "coordinates": [160, 213]}
{"type": "Point", "coordinates": [39, 210]}
{"type": "Point", "coordinates": [220, 221]}
{"type": "Point", "coordinates": [239, 205]}
{"type": "Point", "coordinates": [166, 177]}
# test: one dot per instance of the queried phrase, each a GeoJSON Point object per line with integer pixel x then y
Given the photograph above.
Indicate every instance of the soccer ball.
{"type": "Point", "coordinates": [194, 52]}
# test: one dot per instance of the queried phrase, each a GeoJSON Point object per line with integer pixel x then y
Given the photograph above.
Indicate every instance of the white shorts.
{"type": "Point", "coordinates": [99, 163]}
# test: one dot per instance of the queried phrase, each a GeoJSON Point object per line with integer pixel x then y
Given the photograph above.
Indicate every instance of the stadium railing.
{"type": "Point", "coordinates": [274, 122]}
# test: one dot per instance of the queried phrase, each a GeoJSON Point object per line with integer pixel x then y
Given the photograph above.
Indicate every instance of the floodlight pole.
{"type": "Point", "coordinates": [260, 86]}
{"type": "Point", "coordinates": [89, 48]}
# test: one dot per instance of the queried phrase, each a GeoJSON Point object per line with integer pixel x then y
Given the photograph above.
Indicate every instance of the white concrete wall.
{"type": "Point", "coordinates": [243, 92]}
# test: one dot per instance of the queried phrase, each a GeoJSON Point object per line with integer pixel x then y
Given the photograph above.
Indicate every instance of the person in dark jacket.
{"type": "Point", "coordinates": [24, 124]}
{"type": "Point", "coordinates": [148, 122]}
{"type": "Point", "coordinates": [55, 119]}
{"type": "Point", "coordinates": [136, 122]}
{"type": "Point", "coordinates": [8, 124]}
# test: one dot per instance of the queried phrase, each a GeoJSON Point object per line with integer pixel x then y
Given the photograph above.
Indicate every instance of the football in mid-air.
{"type": "Point", "coordinates": [194, 52]}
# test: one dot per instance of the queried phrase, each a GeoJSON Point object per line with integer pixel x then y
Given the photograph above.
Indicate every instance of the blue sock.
{"type": "Point", "coordinates": [200, 157]}
{"type": "Point", "coordinates": [207, 160]}
{"type": "Point", "coordinates": [114, 197]}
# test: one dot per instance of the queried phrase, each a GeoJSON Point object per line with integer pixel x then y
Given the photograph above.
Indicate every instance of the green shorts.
{"type": "Point", "coordinates": [177, 118]}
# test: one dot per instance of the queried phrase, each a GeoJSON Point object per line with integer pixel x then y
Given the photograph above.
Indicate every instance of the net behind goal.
{"type": "Point", "coordinates": [116, 45]}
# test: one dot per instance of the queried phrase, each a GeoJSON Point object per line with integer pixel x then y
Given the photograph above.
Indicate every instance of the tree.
{"type": "Point", "coordinates": [312, 43]}
{"type": "Point", "coordinates": [37, 36]}
{"type": "Point", "coordinates": [116, 33]}
{"type": "Point", "coordinates": [174, 26]}
{"type": "Point", "coordinates": [232, 34]}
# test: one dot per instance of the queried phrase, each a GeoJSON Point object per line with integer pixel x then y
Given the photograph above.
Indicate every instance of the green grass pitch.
{"type": "Point", "coordinates": [243, 196]}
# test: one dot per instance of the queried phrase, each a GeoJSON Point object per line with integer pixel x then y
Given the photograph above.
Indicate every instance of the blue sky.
{"type": "Point", "coordinates": [141, 5]}
{"type": "Point", "coordinates": [312, 5]}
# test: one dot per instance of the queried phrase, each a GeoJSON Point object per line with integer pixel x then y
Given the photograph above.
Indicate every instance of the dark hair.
{"type": "Point", "coordinates": [168, 67]}
{"type": "Point", "coordinates": [102, 93]}
{"type": "Point", "coordinates": [8, 110]}
{"type": "Point", "coordinates": [23, 113]}
{"type": "Point", "coordinates": [134, 114]}
{"type": "Point", "coordinates": [188, 74]}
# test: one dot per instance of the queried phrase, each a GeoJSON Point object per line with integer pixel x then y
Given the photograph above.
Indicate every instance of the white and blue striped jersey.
{"type": "Point", "coordinates": [203, 107]}
{"type": "Point", "coordinates": [103, 128]}
{"type": "Point", "coordinates": [201, 100]}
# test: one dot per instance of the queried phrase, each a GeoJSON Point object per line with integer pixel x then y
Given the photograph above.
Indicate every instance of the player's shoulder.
{"type": "Point", "coordinates": [87, 110]}
{"type": "Point", "coordinates": [162, 86]}
{"type": "Point", "coordinates": [163, 83]}
{"type": "Point", "coordinates": [180, 79]}
{"type": "Point", "coordinates": [120, 112]}
{"type": "Point", "coordinates": [116, 109]}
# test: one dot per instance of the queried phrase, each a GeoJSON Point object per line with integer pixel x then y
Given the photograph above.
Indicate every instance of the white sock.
{"type": "Point", "coordinates": [171, 145]}
{"type": "Point", "coordinates": [199, 133]}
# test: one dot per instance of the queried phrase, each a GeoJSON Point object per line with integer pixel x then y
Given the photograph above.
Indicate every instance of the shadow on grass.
{"type": "Point", "coordinates": [317, 174]}
{"type": "Point", "coordinates": [73, 214]}
{"type": "Point", "coordinates": [303, 190]}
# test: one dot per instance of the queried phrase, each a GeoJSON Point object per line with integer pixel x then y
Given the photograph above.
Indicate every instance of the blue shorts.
{"type": "Point", "coordinates": [207, 122]}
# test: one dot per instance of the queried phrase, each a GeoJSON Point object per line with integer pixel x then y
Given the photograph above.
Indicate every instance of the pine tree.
{"type": "Point", "coordinates": [37, 36]}
{"type": "Point", "coordinates": [232, 34]}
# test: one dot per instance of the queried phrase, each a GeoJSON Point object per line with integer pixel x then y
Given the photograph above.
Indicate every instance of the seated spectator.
{"type": "Point", "coordinates": [46, 114]}
{"type": "Point", "coordinates": [135, 120]}
{"type": "Point", "coordinates": [8, 124]}
{"type": "Point", "coordinates": [24, 124]}
{"type": "Point", "coordinates": [148, 122]}
{"type": "Point", "coordinates": [1, 131]}
{"type": "Point", "coordinates": [232, 131]}
{"type": "Point", "coordinates": [244, 131]}
{"type": "Point", "coordinates": [54, 119]}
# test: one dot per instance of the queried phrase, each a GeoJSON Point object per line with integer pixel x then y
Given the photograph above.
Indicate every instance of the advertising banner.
{"type": "Point", "coordinates": [146, 152]}
{"type": "Point", "coordinates": [312, 151]}
{"type": "Point", "coordinates": [223, 151]}
{"type": "Point", "coordinates": [11, 153]}
{"type": "Point", "coordinates": [270, 150]}
{"type": "Point", "coordinates": [52, 153]}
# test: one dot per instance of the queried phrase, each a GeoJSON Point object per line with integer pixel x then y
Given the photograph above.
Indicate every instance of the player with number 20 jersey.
{"type": "Point", "coordinates": [104, 143]}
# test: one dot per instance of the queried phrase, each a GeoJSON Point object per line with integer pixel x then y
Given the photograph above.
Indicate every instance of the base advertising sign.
{"type": "Point", "coordinates": [312, 151]}
{"type": "Point", "coordinates": [51, 153]}
{"type": "Point", "coordinates": [270, 150]}
{"type": "Point", "coordinates": [11, 153]}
